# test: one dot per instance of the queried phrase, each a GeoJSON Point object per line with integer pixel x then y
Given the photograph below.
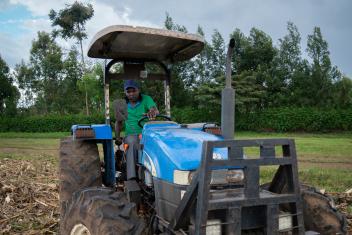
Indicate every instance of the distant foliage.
{"type": "Point", "coordinates": [296, 119]}
{"type": "Point", "coordinates": [46, 123]}
{"type": "Point", "coordinates": [279, 119]}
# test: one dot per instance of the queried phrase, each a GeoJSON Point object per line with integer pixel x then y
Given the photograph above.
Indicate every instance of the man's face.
{"type": "Point", "coordinates": [132, 94]}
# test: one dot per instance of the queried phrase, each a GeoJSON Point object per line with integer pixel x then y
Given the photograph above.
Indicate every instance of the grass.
{"type": "Point", "coordinates": [48, 135]}
{"type": "Point", "coordinates": [324, 160]}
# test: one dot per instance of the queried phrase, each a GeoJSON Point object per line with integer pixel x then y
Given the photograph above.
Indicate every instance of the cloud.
{"type": "Point", "coordinates": [4, 4]}
{"type": "Point", "coordinates": [14, 51]}
{"type": "Point", "coordinates": [41, 7]}
{"type": "Point", "coordinates": [18, 46]}
{"type": "Point", "coordinates": [270, 16]}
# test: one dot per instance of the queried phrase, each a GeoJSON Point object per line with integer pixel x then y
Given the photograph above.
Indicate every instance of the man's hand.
{"type": "Point", "coordinates": [118, 141]}
{"type": "Point", "coordinates": [152, 113]}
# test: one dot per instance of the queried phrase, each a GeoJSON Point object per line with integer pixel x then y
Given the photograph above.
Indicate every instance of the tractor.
{"type": "Point", "coordinates": [191, 178]}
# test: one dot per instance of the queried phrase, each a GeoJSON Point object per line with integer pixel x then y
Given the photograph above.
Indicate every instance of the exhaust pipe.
{"type": "Point", "coordinates": [228, 99]}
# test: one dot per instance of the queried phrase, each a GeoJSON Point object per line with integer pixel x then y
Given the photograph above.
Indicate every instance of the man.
{"type": "Point", "coordinates": [138, 106]}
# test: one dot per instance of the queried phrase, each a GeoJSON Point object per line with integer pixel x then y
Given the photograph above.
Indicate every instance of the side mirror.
{"type": "Point", "coordinates": [120, 107]}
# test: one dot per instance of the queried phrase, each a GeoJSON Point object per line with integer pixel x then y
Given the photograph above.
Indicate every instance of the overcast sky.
{"type": "Point", "coordinates": [21, 19]}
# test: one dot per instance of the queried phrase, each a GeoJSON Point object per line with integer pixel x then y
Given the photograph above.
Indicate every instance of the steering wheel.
{"type": "Point", "coordinates": [157, 116]}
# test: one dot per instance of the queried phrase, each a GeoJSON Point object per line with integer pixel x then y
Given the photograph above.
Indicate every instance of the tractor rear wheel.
{"type": "Point", "coordinates": [79, 167]}
{"type": "Point", "coordinates": [98, 210]}
{"type": "Point", "coordinates": [319, 212]}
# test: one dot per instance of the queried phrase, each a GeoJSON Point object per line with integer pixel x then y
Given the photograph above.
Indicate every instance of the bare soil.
{"type": "Point", "coordinates": [29, 201]}
{"type": "Point", "coordinates": [28, 197]}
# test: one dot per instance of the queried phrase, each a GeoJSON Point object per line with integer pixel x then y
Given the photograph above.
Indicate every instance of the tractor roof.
{"type": "Point", "coordinates": [129, 42]}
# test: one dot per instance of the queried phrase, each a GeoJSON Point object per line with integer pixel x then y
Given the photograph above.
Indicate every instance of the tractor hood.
{"type": "Point", "coordinates": [169, 147]}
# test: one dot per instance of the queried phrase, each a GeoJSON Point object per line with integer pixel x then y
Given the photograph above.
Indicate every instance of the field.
{"type": "Point", "coordinates": [29, 186]}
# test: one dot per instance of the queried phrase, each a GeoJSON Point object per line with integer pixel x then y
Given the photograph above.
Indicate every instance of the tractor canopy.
{"type": "Point", "coordinates": [169, 146]}
{"type": "Point", "coordinates": [129, 42]}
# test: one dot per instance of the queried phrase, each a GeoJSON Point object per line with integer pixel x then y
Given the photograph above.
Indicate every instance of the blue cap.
{"type": "Point", "coordinates": [130, 84]}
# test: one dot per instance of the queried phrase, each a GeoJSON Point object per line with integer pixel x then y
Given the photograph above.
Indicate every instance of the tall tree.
{"type": "Point", "coordinates": [71, 21]}
{"type": "Point", "coordinates": [322, 72]}
{"type": "Point", "coordinates": [8, 92]}
{"type": "Point", "coordinates": [93, 82]}
{"type": "Point", "coordinates": [44, 72]}
{"type": "Point", "coordinates": [217, 64]}
{"type": "Point", "coordinates": [286, 68]}
{"type": "Point", "coordinates": [182, 73]}
{"type": "Point", "coordinates": [343, 93]}
{"type": "Point", "coordinates": [202, 68]}
{"type": "Point", "coordinates": [71, 98]}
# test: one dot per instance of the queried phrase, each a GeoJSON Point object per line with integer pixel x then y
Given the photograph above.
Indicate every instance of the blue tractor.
{"type": "Point", "coordinates": [192, 178]}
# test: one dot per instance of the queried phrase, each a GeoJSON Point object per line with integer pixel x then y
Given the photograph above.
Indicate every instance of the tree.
{"type": "Point", "coordinates": [289, 53]}
{"type": "Point", "coordinates": [43, 74]}
{"type": "Point", "coordinates": [9, 94]}
{"type": "Point", "coordinates": [183, 76]}
{"type": "Point", "coordinates": [71, 21]}
{"type": "Point", "coordinates": [322, 72]}
{"type": "Point", "coordinates": [218, 57]}
{"type": "Point", "coordinates": [343, 93]}
{"type": "Point", "coordinates": [71, 98]}
{"type": "Point", "coordinates": [253, 59]}
{"type": "Point", "coordinates": [25, 77]}
{"type": "Point", "coordinates": [93, 82]}
{"type": "Point", "coordinates": [286, 68]}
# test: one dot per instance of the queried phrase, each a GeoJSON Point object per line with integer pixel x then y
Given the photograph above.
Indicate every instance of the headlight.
{"type": "Point", "coordinates": [285, 221]}
{"type": "Point", "coordinates": [213, 227]}
{"type": "Point", "coordinates": [218, 177]}
{"type": "Point", "coordinates": [225, 176]}
{"type": "Point", "coordinates": [182, 177]}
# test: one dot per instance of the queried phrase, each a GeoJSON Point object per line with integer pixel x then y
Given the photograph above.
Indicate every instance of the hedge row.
{"type": "Point", "coordinates": [46, 123]}
{"type": "Point", "coordinates": [281, 119]}
{"type": "Point", "coordinates": [296, 119]}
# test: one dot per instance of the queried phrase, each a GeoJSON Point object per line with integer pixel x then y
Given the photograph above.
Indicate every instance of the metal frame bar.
{"type": "Point", "coordinates": [197, 198]}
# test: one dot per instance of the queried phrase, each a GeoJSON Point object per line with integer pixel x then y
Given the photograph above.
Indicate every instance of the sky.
{"type": "Point", "coordinates": [20, 20]}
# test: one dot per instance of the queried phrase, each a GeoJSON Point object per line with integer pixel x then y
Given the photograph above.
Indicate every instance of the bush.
{"type": "Point", "coordinates": [296, 119]}
{"type": "Point", "coordinates": [192, 115]}
{"type": "Point", "coordinates": [46, 123]}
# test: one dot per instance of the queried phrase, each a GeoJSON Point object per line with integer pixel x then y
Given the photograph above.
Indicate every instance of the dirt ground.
{"type": "Point", "coordinates": [29, 197]}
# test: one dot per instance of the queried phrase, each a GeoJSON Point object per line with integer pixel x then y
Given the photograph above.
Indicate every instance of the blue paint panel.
{"type": "Point", "coordinates": [171, 147]}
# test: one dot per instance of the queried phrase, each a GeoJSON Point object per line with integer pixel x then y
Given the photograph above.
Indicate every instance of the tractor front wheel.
{"type": "Point", "coordinates": [97, 210]}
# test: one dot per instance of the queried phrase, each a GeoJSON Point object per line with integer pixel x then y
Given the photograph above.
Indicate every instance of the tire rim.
{"type": "Point", "coordinates": [80, 229]}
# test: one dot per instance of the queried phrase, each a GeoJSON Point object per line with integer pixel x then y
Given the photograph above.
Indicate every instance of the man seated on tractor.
{"type": "Point", "coordinates": [138, 106]}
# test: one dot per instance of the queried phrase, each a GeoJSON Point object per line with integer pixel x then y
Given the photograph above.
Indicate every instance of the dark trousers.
{"type": "Point", "coordinates": [131, 155]}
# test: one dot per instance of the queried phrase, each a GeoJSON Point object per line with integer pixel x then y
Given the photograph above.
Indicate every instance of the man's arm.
{"type": "Point", "coordinates": [153, 111]}
{"type": "Point", "coordinates": [118, 128]}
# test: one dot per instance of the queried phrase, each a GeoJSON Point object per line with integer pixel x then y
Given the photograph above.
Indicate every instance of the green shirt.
{"type": "Point", "coordinates": [136, 112]}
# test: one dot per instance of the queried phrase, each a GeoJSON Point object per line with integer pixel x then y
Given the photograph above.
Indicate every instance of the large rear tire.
{"type": "Point", "coordinates": [79, 168]}
{"type": "Point", "coordinates": [97, 211]}
{"type": "Point", "coordinates": [319, 212]}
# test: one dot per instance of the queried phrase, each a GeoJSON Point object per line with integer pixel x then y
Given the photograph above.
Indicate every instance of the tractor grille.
{"type": "Point", "coordinates": [84, 132]}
